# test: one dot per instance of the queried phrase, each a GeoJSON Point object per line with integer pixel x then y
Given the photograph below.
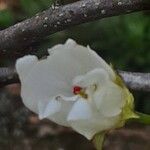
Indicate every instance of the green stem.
{"type": "Point", "coordinates": [98, 140]}
{"type": "Point", "coordinates": [143, 118]}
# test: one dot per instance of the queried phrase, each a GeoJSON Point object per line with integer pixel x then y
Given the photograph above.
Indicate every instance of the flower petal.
{"type": "Point", "coordinates": [98, 77]}
{"type": "Point", "coordinates": [40, 83]}
{"type": "Point", "coordinates": [79, 117]}
{"type": "Point", "coordinates": [81, 110]}
{"type": "Point", "coordinates": [25, 64]}
{"type": "Point", "coordinates": [100, 63]}
{"type": "Point", "coordinates": [109, 100]}
{"type": "Point", "coordinates": [57, 110]}
{"type": "Point", "coordinates": [95, 124]}
{"type": "Point", "coordinates": [52, 107]}
{"type": "Point", "coordinates": [86, 120]}
{"type": "Point", "coordinates": [85, 128]}
{"type": "Point", "coordinates": [44, 79]}
{"type": "Point", "coordinates": [82, 58]}
{"type": "Point", "coordinates": [47, 78]}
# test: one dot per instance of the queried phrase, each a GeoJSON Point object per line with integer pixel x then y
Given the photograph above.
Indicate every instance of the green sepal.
{"type": "Point", "coordinates": [98, 140]}
{"type": "Point", "coordinates": [128, 109]}
{"type": "Point", "coordinates": [126, 114]}
{"type": "Point", "coordinates": [143, 118]}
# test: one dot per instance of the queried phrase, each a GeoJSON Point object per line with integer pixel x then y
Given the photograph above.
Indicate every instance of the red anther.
{"type": "Point", "coordinates": [76, 89]}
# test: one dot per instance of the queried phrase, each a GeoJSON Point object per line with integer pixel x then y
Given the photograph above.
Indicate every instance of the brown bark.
{"type": "Point", "coordinates": [19, 37]}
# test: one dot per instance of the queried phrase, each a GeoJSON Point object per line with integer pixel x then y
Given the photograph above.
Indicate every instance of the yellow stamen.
{"type": "Point", "coordinates": [83, 94]}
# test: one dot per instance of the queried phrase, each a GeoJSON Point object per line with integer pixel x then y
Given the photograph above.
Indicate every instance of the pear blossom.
{"type": "Point", "coordinates": [76, 88]}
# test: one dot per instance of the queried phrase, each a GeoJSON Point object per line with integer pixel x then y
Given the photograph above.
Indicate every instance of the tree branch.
{"type": "Point", "coordinates": [8, 76]}
{"type": "Point", "coordinates": [19, 37]}
{"type": "Point", "coordinates": [134, 81]}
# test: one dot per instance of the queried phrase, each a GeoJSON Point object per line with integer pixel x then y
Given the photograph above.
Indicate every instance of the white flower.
{"type": "Point", "coordinates": [74, 87]}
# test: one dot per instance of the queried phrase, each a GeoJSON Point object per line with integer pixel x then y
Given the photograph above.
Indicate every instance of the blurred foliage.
{"type": "Point", "coordinates": [5, 18]}
{"type": "Point", "coordinates": [123, 40]}
{"type": "Point", "coordinates": [30, 7]}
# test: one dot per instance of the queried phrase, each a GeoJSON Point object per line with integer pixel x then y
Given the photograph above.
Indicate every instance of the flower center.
{"type": "Point", "coordinates": [77, 90]}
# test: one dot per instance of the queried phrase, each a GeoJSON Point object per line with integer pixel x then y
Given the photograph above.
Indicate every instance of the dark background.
{"type": "Point", "coordinates": [123, 40]}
